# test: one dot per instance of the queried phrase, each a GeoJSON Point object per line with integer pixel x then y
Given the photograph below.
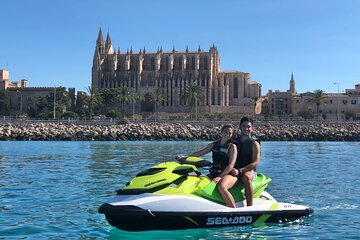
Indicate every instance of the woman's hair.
{"type": "Point", "coordinates": [227, 126]}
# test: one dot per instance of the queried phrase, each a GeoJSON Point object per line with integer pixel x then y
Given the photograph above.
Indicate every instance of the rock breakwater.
{"type": "Point", "coordinates": [172, 132]}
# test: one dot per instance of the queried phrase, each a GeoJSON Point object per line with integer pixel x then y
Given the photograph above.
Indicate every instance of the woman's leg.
{"type": "Point", "coordinates": [224, 185]}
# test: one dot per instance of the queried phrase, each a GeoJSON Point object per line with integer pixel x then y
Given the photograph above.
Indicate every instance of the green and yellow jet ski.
{"type": "Point", "coordinates": [176, 195]}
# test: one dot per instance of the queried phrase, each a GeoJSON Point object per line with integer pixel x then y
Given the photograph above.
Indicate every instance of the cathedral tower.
{"type": "Point", "coordinates": [292, 84]}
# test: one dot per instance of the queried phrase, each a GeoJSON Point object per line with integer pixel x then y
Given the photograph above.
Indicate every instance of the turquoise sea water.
{"type": "Point", "coordinates": [51, 190]}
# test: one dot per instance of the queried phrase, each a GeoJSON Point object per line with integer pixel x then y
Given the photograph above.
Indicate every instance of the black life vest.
{"type": "Point", "coordinates": [220, 157]}
{"type": "Point", "coordinates": [244, 151]}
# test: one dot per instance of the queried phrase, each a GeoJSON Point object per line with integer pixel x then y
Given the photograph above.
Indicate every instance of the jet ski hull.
{"type": "Point", "coordinates": [150, 213]}
{"type": "Point", "coordinates": [175, 195]}
{"type": "Point", "coordinates": [132, 218]}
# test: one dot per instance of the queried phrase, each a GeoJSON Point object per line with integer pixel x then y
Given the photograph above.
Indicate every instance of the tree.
{"type": "Point", "coordinates": [4, 103]}
{"type": "Point", "coordinates": [62, 101]}
{"type": "Point", "coordinates": [94, 98]}
{"type": "Point", "coordinates": [193, 94]}
{"type": "Point", "coordinates": [109, 98]}
{"type": "Point", "coordinates": [43, 106]}
{"type": "Point", "coordinates": [157, 97]}
{"type": "Point", "coordinates": [123, 96]}
{"type": "Point", "coordinates": [254, 101]}
{"type": "Point", "coordinates": [135, 97]}
{"type": "Point", "coordinates": [319, 98]}
{"type": "Point", "coordinates": [82, 105]}
{"type": "Point", "coordinates": [349, 115]}
{"type": "Point", "coordinates": [71, 115]}
{"type": "Point", "coordinates": [305, 114]}
{"type": "Point", "coordinates": [39, 107]}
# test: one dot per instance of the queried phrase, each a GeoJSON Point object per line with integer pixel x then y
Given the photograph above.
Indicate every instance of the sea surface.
{"type": "Point", "coordinates": [52, 190]}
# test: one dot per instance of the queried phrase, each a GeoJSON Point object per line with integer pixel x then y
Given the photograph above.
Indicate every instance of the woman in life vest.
{"type": "Point", "coordinates": [224, 154]}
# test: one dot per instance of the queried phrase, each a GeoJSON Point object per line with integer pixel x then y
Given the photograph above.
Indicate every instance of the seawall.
{"type": "Point", "coordinates": [172, 132]}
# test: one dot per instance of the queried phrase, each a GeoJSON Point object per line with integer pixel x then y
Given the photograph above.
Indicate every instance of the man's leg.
{"type": "Point", "coordinates": [249, 192]}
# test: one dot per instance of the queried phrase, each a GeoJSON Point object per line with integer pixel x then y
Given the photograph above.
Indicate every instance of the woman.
{"type": "Point", "coordinates": [224, 154]}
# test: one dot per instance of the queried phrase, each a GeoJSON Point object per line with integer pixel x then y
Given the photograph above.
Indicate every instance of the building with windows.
{"type": "Point", "coordinates": [339, 106]}
{"type": "Point", "coordinates": [5, 83]}
{"type": "Point", "coordinates": [22, 97]}
{"type": "Point", "coordinates": [172, 72]}
{"type": "Point", "coordinates": [278, 102]}
{"type": "Point", "coordinates": [336, 106]}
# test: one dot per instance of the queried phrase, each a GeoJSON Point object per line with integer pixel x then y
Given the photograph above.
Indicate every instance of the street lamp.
{"type": "Point", "coordinates": [20, 101]}
{"type": "Point", "coordinates": [54, 100]}
{"type": "Point", "coordinates": [337, 101]}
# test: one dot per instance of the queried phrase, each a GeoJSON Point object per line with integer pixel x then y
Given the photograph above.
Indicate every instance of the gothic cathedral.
{"type": "Point", "coordinates": [172, 72]}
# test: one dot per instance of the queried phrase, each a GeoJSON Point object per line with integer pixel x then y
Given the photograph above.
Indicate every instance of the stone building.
{"type": "Point", "coordinates": [172, 72]}
{"type": "Point", "coordinates": [23, 97]}
{"type": "Point", "coordinates": [337, 106]}
{"type": "Point", "coordinates": [5, 83]}
{"type": "Point", "coordinates": [280, 103]}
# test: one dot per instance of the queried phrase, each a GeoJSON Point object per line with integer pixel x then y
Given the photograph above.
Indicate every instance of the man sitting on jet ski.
{"type": "Point", "coordinates": [248, 157]}
{"type": "Point", "coordinates": [224, 154]}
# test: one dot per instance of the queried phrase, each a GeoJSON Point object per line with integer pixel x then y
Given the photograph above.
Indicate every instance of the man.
{"type": "Point", "coordinates": [248, 157]}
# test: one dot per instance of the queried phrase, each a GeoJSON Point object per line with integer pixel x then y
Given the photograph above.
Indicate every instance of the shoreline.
{"type": "Point", "coordinates": [173, 132]}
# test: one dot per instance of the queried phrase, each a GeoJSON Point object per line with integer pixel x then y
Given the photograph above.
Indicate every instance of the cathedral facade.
{"type": "Point", "coordinates": [172, 72]}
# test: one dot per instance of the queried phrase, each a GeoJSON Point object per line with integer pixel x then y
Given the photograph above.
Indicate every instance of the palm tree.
{"type": "Point", "coordinates": [157, 97]}
{"type": "Point", "coordinates": [109, 98]}
{"type": "Point", "coordinates": [319, 98]}
{"type": "Point", "coordinates": [194, 94]}
{"type": "Point", "coordinates": [123, 97]}
{"type": "Point", "coordinates": [94, 98]}
{"type": "Point", "coordinates": [254, 100]}
{"type": "Point", "coordinates": [135, 97]}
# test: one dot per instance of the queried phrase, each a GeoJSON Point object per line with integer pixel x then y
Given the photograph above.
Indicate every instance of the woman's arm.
{"type": "Point", "coordinates": [203, 151]}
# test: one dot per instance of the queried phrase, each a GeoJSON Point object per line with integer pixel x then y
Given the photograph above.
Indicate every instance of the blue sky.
{"type": "Point", "coordinates": [52, 42]}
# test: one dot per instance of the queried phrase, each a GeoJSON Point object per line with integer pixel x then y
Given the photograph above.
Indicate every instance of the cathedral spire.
{"type": "Point", "coordinates": [96, 59]}
{"type": "Point", "coordinates": [100, 45]}
{"type": "Point", "coordinates": [108, 44]}
{"type": "Point", "coordinates": [292, 84]}
{"type": "Point", "coordinates": [100, 39]}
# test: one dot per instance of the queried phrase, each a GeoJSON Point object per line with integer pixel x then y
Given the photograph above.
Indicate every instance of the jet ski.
{"type": "Point", "coordinates": [176, 195]}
